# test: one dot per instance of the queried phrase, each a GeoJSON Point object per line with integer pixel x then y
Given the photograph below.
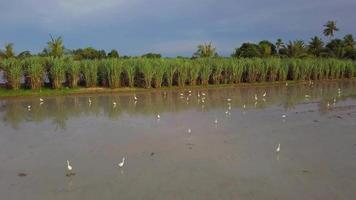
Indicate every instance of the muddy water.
{"type": "Point", "coordinates": [234, 158]}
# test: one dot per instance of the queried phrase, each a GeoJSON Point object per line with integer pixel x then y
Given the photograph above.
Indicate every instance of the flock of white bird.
{"type": "Point", "coordinates": [201, 97]}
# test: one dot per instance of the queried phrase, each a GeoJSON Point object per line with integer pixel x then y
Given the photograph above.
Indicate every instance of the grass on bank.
{"type": "Point", "coordinates": [46, 91]}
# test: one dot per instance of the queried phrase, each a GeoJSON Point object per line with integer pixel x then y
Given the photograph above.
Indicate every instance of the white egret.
{"type": "Point", "coordinates": [228, 99]}
{"type": "Point", "coordinates": [216, 121]}
{"type": "Point", "coordinates": [264, 94]}
{"type": "Point", "coordinates": [284, 116]}
{"type": "Point", "coordinates": [135, 98]}
{"type": "Point", "coordinates": [256, 97]}
{"type": "Point", "coordinates": [158, 117]}
{"type": "Point", "coordinates": [69, 167]}
{"type": "Point", "coordinates": [278, 148]}
{"type": "Point", "coordinates": [89, 100]}
{"type": "Point", "coordinates": [189, 131]}
{"type": "Point", "coordinates": [29, 108]}
{"type": "Point", "coordinates": [286, 83]}
{"type": "Point", "coordinates": [307, 96]}
{"type": "Point", "coordinates": [122, 163]}
{"type": "Point", "coordinates": [244, 106]}
{"type": "Point", "coordinates": [41, 100]}
{"type": "Point", "coordinates": [203, 93]}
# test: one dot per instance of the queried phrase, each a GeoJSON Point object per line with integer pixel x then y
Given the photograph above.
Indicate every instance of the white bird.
{"type": "Point", "coordinates": [216, 121]}
{"type": "Point", "coordinates": [181, 94]}
{"type": "Point", "coordinates": [135, 98]}
{"type": "Point", "coordinates": [41, 100]}
{"type": "Point", "coordinates": [284, 116]}
{"type": "Point", "coordinates": [244, 106]}
{"type": "Point", "coordinates": [286, 83]}
{"type": "Point", "coordinates": [264, 94]}
{"type": "Point", "coordinates": [256, 97]}
{"type": "Point", "coordinates": [69, 167]}
{"type": "Point", "coordinates": [189, 131]}
{"type": "Point", "coordinates": [190, 91]}
{"type": "Point", "coordinates": [28, 107]}
{"type": "Point", "coordinates": [158, 117]}
{"type": "Point", "coordinates": [114, 104]}
{"type": "Point", "coordinates": [307, 96]}
{"type": "Point", "coordinates": [89, 100]}
{"type": "Point", "coordinates": [228, 99]}
{"type": "Point", "coordinates": [278, 148]}
{"type": "Point", "coordinates": [203, 93]}
{"type": "Point", "coordinates": [198, 95]}
{"type": "Point", "coordinates": [122, 163]}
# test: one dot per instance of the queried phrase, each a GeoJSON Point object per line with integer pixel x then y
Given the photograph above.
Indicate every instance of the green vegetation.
{"type": "Point", "coordinates": [57, 67]}
{"type": "Point", "coordinates": [147, 73]}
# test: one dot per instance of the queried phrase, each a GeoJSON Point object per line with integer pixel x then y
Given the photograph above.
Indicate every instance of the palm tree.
{"type": "Point", "coordinates": [55, 46]}
{"type": "Point", "coordinates": [279, 44]}
{"type": "Point", "coordinates": [205, 50]}
{"type": "Point", "coordinates": [349, 41]}
{"type": "Point", "coordinates": [330, 29]}
{"type": "Point", "coordinates": [315, 46]}
{"type": "Point", "coordinates": [9, 50]}
{"type": "Point", "coordinates": [296, 49]}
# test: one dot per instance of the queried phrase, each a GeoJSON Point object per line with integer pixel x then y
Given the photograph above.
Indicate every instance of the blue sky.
{"type": "Point", "coordinates": [170, 27]}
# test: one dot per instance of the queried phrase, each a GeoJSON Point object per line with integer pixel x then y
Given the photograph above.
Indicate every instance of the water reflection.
{"type": "Point", "coordinates": [60, 109]}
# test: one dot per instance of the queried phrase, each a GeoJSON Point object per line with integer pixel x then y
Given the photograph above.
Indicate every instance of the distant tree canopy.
{"type": "Point", "coordinates": [24, 54]}
{"type": "Point", "coordinates": [248, 50]}
{"type": "Point", "coordinates": [151, 55]}
{"type": "Point", "coordinates": [88, 53]}
{"type": "Point", "coordinates": [341, 48]}
{"type": "Point", "coordinates": [113, 54]}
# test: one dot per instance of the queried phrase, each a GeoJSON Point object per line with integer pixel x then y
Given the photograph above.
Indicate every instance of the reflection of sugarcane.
{"type": "Point", "coordinates": [60, 109]}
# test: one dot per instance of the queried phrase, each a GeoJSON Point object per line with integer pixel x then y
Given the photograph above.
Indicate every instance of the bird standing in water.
{"type": "Point", "coordinates": [121, 165]}
{"type": "Point", "coordinates": [278, 148]}
{"type": "Point", "coordinates": [69, 167]}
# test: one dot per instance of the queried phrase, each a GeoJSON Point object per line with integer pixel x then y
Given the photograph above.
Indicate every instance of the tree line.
{"type": "Point", "coordinates": [343, 48]}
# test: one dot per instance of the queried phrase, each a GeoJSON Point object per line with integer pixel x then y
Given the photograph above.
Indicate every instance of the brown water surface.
{"type": "Point", "coordinates": [234, 158]}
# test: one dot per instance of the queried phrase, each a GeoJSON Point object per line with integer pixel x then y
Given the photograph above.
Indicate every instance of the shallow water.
{"type": "Point", "coordinates": [234, 158]}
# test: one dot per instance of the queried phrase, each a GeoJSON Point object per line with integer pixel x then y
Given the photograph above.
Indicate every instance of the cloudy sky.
{"type": "Point", "coordinates": [170, 27]}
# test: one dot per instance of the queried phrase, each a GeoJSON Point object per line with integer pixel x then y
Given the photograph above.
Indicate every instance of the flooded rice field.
{"type": "Point", "coordinates": [218, 143]}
